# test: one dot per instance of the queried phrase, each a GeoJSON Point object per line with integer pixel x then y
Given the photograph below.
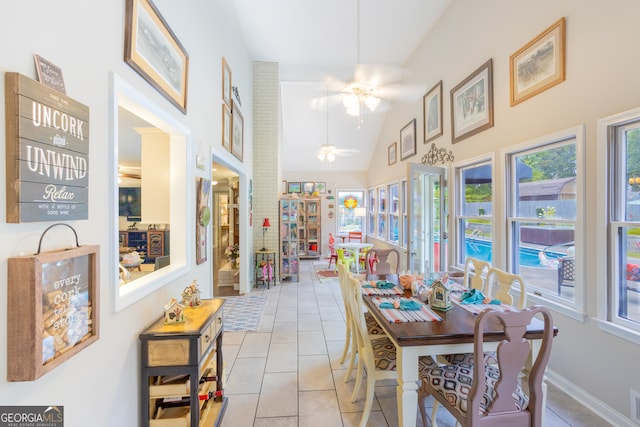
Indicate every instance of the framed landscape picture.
{"type": "Point", "coordinates": [294, 187]}
{"type": "Point", "coordinates": [237, 132]}
{"type": "Point", "coordinates": [321, 187]}
{"type": "Point", "coordinates": [472, 103]}
{"type": "Point", "coordinates": [392, 155]}
{"type": "Point", "coordinates": [408, 140]}
{"type": "Point", "coordinates": [539, 64]}
{"type": "Point", "coordinates": [432, 111]}
{"type": "Point", "coordinates": [154, 51]}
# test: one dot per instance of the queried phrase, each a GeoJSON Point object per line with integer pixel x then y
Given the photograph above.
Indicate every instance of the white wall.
{"type": "Point", "coordinates": [601, 79]}
{"type": "Point", "coordinates": [100, 386]}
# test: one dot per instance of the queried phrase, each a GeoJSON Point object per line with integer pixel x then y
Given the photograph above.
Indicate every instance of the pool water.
{"type": "Point", "coordinates": [481, 249]}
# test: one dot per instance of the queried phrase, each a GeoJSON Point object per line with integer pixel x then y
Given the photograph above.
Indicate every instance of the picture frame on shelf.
{"type": "Point", "coordinates": [308, 187]}
{"type": "Point", "coordinates": [237, 131]}
{"type": "Point", "coordinates": [538, 65]}
{"type": "Point", "coordinates": [49, 74]}
{"type": "Point", "coordinates": [472, 103]}
{"type": "Point", "coordinates": [153, 51]}
{"type": "Point", "coordinates": [432, 112]}
{"type": "Point", "coordinates": [392, 154]}
{"type": "Point", "coordinates": [226, 82]}
{"type": "Point", "coordinates": [226, 127]}
{"type": "Point", "coordinates": [408, 140]}
{"type": "Point", "coordinates": [294, 187]}
{"type": "Point", "coordinates": [321, 187]}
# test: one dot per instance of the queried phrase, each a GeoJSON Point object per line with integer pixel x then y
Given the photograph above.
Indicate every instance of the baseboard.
{"type": "Point", "coordinates": [602, 409]}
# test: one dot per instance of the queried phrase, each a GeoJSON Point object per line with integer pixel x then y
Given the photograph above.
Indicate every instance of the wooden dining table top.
{"type": "Point", "coordinates": [456, 327]}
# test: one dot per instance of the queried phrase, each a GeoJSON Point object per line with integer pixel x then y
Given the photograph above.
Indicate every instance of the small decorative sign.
{"type": "Point", "coordinates": [49, 74]}
{"type": "Point", "coordinates": [47, 146]}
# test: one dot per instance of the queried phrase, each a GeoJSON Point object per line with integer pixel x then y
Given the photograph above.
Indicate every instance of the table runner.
{"type": "Point", "coordinates": [425, 314]}
{"type": "Point", "coordinates": [382, 291]}
{"type": "Point", "coordinates": [457, 292]}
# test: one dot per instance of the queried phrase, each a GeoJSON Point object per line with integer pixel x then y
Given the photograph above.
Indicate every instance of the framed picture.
{"type": "Point", "coordinates": [321, 187]}
{"type": "Point", "coordinates": [392, 155]}
{"type": "Point", "coordinates": [539, 64]}
{"type": "Point", "coordinates": [307, 187]}
{"type": "Point", "coordinates": [49, 74]}
{"type": "Point", "coordinates": [408, 140]}
{"type": "Point", "coordinates": [226, 127]}
{"type": "Point", "coordinates": [237, 133]}
{"type": "Point", "coordinates": [294, 187]}
{"type": "Point", "coordinates": [151, 48]}
{"type": "Point", "coordinates": [472, 103]}
{"type": "Point", "coordinates": [226, 82]}
{"type": "Point", "coordinates": [432, 112]}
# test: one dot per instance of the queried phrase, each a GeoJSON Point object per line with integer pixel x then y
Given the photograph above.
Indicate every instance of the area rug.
{"type": "Point", "coordinates": [323, 272]}
{"type": "Point", "coordinates": [243, 313]}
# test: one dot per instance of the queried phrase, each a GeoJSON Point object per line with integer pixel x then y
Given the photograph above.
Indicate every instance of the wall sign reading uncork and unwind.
{"type": "Point", "coordinates": [47, 152]}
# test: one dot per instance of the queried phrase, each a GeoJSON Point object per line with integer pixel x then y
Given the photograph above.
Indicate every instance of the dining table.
{"type": "Point", "coordinates": [453, 334]}
{"type": "Point", "coordinates": [357, 248]}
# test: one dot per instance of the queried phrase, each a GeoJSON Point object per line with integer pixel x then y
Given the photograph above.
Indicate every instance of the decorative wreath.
{"type": "Point", "coordinates": [350, 202]}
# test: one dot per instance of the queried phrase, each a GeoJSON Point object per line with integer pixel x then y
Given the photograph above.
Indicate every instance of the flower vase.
{"type": "Point", "coordinates": [234, 263]}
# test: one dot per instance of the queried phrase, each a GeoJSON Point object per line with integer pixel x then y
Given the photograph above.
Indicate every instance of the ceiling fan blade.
{"type": "Point", "coordinates": [378, 74]}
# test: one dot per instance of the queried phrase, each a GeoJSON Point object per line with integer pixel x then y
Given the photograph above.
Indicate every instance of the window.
{"type": "Point", "coordinates": [544, 203]}
{"type": "Point", "coordinates": [382, 213]}
{"type": "Point", "coordinates": [394, 209]}
{"type": "Point", "coordinates": [348, 203]}
{"type": "Point", "coordinates": [371, 215]}
{"type": "Point", "coordinates": [405, 230]}
{"type": "Point", "coordinates": [474, 211]}
{"type": "Point", "coordinates": [620, 303]}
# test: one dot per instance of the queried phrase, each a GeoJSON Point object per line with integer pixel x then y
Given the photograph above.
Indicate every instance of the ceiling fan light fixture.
{"type": "Point", "coordinates": [331, 157]}
{"type": "Point", "coordinates": [354, 110]}
{"type": "Point", "coordinates": [350, 101]}
{"type": "Point", "coordinates": [372, 102]}
{"type": "Point", "coordinates": [321, 156]}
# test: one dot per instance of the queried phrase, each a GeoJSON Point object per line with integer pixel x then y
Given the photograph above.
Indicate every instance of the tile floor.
{"type": "Point", "coordinates": [287, 374]}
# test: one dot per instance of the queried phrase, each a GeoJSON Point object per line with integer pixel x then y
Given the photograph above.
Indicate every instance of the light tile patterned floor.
{"type": "Point", "coordinates": [286, 374]}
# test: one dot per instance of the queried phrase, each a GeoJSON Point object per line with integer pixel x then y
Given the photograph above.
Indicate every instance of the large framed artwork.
{"type": "Point", "coordinates": [237, 131]}
{"type": "Point", "coordinates": [154, 51]}
{"type": "Point", "coordinates": [408, 140]}
{"type": "Point", "coordinates": [432, 111]}
{"type": "Point", "coordinates": [472, 103]}
{"type": "Point", "coordinates": [539, 64]}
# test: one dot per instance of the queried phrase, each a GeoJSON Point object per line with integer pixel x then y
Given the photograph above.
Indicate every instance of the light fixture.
{"type": "Point", "coordinates": [265, 227]}
{"type": "Point", "coordinates": [327, 151]}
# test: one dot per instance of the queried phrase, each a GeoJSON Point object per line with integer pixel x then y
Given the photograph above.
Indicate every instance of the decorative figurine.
{"type": "Point", "coordinates": [440, 298]}
{"type": "Point", "coordinates": [191, 295]}
{"type": "Point", "coordinates": [173, 312]}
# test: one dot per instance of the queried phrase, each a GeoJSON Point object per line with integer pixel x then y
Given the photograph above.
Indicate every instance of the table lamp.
{"type": "Point", "coordinates": [265, 227]}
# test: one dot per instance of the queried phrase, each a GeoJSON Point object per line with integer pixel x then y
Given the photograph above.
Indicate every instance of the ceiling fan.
{"type": "Point", "coordinates": [373, 84]}
{"type": "Point", "coordinates": [328, 151]}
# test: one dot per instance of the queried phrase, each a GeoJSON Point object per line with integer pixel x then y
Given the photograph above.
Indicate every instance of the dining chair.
{"type": "Point", "coordinates": [355, 236]}
{"type": "Point", "coordinates": [490, 395]}
{"type": "Point", "coordinates": [374, 330]}
{"type": "Point", "coordinates": [375, 356]}
{"type": "Point", "coordinates": [378, 261]}
{"type": "Point", "coordinates": [475, 273]}
{"type": "Point", "coordinates": [333, 256]}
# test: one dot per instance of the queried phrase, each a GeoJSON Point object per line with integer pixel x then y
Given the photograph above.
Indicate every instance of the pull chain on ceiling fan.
{"type": "Point", "coordinates": [326, 150]}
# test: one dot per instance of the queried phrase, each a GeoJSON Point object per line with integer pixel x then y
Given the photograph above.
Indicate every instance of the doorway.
{"type": "Point", "coordinates": [225, 229]}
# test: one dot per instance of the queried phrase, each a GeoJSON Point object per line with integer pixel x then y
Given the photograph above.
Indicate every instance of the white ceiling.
{"type": "Point", "coordinates": [316, 46]}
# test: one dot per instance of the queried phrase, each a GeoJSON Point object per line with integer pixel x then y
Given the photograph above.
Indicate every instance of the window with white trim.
{"type": "Point", "coordinates": [371, 214]}
{"type": "Point", "coordinates": [544, 205]}
{"type": "Point", "coordinates": [382, 213]}
{"type": "Point", "coordinates": [394, 210]}
{"type": "Point", "coordinates": [474, 212]}
{"type": "Point", "coordinates": [623, 221]}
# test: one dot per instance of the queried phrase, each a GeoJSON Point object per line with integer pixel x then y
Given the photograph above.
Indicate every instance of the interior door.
{"type": "Point", "coordinates": [428, 226]}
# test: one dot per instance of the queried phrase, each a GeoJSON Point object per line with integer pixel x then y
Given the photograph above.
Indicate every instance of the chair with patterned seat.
{"type": "Point", "coordinates": [490, 395]}
{"type": "Point", "coordinates": [375, 356]}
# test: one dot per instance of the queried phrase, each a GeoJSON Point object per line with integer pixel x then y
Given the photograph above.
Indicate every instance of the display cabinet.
{"type": "Point", "coordinates": [183, 369]}
{"type": "Point", "coordinates": [309, 243]}
{"type": "Point", "coordinates": [289, 260]}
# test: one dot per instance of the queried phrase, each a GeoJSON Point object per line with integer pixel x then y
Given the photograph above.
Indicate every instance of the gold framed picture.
{"type": "Point", "coordinates": [538, 65]}
{"type": "Point", "coordinates": [226, 83]}
{"type": "Point", "coordinates": [472, 103]}
{"type": "Point", "coordinates": [154, 51]}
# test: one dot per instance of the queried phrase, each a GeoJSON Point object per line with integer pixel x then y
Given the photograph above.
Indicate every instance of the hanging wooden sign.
{"type": "Point", "coordinates": [52, 309]}
{"type": "Point", "coordinates": [47, 153]}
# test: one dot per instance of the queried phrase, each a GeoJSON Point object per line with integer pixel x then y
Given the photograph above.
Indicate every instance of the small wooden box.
{"type": "Point", "coordinates": [53, 309]}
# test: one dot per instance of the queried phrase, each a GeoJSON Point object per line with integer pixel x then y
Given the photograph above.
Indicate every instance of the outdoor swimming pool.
{"type": "Point", "coordinates": [481, 249]}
